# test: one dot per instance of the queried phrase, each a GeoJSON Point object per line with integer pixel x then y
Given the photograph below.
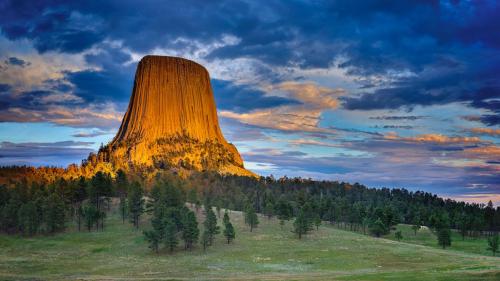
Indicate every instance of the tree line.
{"type": "Point", "coordinates": [39, 208]}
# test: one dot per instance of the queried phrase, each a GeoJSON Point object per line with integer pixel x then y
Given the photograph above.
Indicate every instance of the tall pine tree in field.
{"type": "Point", "coordinates": [122, 186]}
{"type": "Point", "coordinates": [190, 231]}
{"type": "Point", "coordinates": [170, 239]}
{"type": "Point", "coordinates": [444, 237]}
{"type": "Point", "coordinates": [205, 240]}
{"type": "Point", "coordinates": [225, 220]}
{"type": "Point", "coordinates": [301, 225]}
{"type": "Point", "coordinates": [493, 244]}
{"type": "Point", "coordinates": [135, 203]}
{"type": "Point", "coordinates": [251, 217]}
{"type": "Point", "coordinates": [210, 225]}
{"type": "Point", "coordinates": [284, 211]}
{"type": "Point", "coordinates": [378, 228]}
{"type": "Point", "coordinates": [229, 232]}
{"type": "Point", "coordinates": [153, 239]}
{"type": "Point", "coordinates": [399, 235]}
{"type": "Point", "coordinates": [28, 218]}
{"type": "Point", "coordinates": [54, 213]}
{"type": "Point", "coordinates": [89, 213]}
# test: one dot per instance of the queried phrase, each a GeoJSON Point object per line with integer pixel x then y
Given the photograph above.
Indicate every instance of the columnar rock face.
{"type": "Point", "coordinates": [172, 120]}
{"type": "Point", "coordinates": [171, 96]}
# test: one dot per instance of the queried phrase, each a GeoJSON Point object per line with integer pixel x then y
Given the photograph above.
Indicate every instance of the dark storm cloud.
{"type": "Point", "coordinates": [51, 25]}
{"type": "Point", "coordinates": [426, 52]}
{"type": "Point", "coordinates": [42, 154]}
{"type": "Point", "coordinates": [4, 87]}
{"type": "Point", "coordinates": [17, 61]}
{"type": "Point", "coordinates": [398, 118]}
{"type": "Point", "coordinates": [394, 159]}
{"type": "Point", "coordinates": [113, 81]}
{"type": "Point", "coordinates": [28, 149]}
{"type": "Point", "coordinates": [243, 98]}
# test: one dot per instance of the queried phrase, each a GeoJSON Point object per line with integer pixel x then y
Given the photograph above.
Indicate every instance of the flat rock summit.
{"type": "Point", "coordinates": [171, 121]}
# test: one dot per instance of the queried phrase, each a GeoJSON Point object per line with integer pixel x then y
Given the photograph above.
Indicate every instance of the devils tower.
{"type": "Point", "coordinates": [171, 121]}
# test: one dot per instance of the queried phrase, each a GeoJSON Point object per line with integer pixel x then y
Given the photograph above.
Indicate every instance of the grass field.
{"type": "Point", "coordinates": [427, 238]}
{"type": "Point", "coordinates": [268, 253]}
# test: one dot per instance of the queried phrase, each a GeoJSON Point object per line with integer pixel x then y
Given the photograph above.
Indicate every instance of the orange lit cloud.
{"type": "Point", "coordinates": [434, 138]}
{"type": "Point", "coordinates": [312, 94]}
{"type": "Point", "coordinates": [285, 118]}
{"type": "Point", "coordinates": [90, 116]}
{"type": "Point", "coordinates": [478, 198]}
{"type": "Point", "coordinates": [304, 117]}
{"type": "Point", "coordinates": [486, 131]}
{"type": "Point", "coordinates": [491, 151]}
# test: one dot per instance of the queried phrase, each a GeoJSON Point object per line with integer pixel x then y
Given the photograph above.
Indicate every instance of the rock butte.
{"type": "Point", "coordinates": [172, 119]}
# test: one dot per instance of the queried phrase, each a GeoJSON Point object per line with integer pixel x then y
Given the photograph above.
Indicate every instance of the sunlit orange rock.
{"type": "Point", "coordinates": [171, 121]}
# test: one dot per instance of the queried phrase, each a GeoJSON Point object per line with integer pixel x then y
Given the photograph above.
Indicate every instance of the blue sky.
{"type": "Point", "coordinates": [388, 94]}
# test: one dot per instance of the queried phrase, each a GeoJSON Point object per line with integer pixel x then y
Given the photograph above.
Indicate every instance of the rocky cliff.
{"type": "Point", "coordinates": [171, 121]}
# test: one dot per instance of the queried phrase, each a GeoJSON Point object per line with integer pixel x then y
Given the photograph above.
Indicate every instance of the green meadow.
{"type": "Point", "coordinates": [426, 237]}
{"type": "Point", "coordinates": [267, 253]}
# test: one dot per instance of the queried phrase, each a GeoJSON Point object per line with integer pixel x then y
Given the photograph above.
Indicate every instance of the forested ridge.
{"type": "Point", "coordinates": [44, 208]}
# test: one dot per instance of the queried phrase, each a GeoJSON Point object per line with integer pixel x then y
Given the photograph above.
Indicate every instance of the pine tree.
{"type": "Point", "coordinates": [9, 215]}
{"type": "Point", "coordinates": [269, 209]}
{"type": "Point", "coordinates": [28, 218]}
{"type": "Point", "coordinates": [205, 239]}
{"type": "Point", "coordinates": [229, 232]}
{"type": "Point", "coordinates": [90, 213]}
{"type": "Point", "coordinates": [225, 220]}
{"type": "Point", "coordinates": [80, 194]}
{"type": "Point", "coordinates": [398, 234]}
{"type": "Point", "coordinates": [415, 228]}
{"type": "Point", "coordinates": [217, 208]}
{"type": "Point", "coordinates": [54, 213]}
{"type": "Point", "coordinates": [251, 218]}
{"type": "Point", "coordinates": [416, 224]}
{"type": "Point", "coordinates": [378, 228]}
{"type": "Point", "coordinates": [170, 239]}
{"type": "Point", "coordinates": [301, 225]}
{"type": "Point", "coordinates": [123, 208]}
{"type": "Point", "coordinates": [284, 211]}
{"type": "Point", "coordinates": [153, 239]}
{"type": "Point", "coordinates": [493, 244]}
{"type": "Point", "coordinates": [135, 203]}
{"type": "Point", "coordinates": [190, 231]}
{"type": "Point", "coordinates": [317, 221]}
{"type": "Point", "coordinates": [210, 225]}
{"type": "Point", "coordinates": [444, 237]}
{"type": "Point", "coordinates": [463, 225]}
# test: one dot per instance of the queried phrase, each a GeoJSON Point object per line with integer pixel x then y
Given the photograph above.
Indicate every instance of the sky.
{"type": "Point", "coordinates": [384, 93]}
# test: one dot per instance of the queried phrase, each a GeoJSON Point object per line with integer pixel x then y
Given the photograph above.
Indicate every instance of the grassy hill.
{"type": "Point", "coordinates": [428, 238]}
{"type": "Point", "coordinates": [268, 253]}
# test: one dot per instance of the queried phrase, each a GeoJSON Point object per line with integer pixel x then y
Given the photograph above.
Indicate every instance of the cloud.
{"type": "Point", "coordinates": [398, 118]}
{"type": "Point", "coordinates": [51, 29]}
{"type": "Point", "coordinates": [302, 142]}
{"type": "Point", "coordinates": [90, 134]}
{"type": "Point", "coordinates": [485, 131]}
{"type": "Point", "coordinates": [435, 138]}
{"type": "Point", "coordinates": [303, 117]}
{"type": "Point", "coordinates": [284, 118]}
{"type": "Point", "coordinates": [244, 98]}
{"type": "Point", "coordinates": [479, 198]}
{"type": "Point", "coordinates": [265, 58]}
{"type": "Point", "coordinates": [311, 94]}
{"type": "Point", "coordinates": [407, 127]}
{"type": "Point", "coordinates": [490, 152]}
{"type": "Point", "coordinates": [93, 116]}
{"type": "Point", "coordinates": [17, 62]}
{"type": "Point", "coordinates": [59, 153]}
